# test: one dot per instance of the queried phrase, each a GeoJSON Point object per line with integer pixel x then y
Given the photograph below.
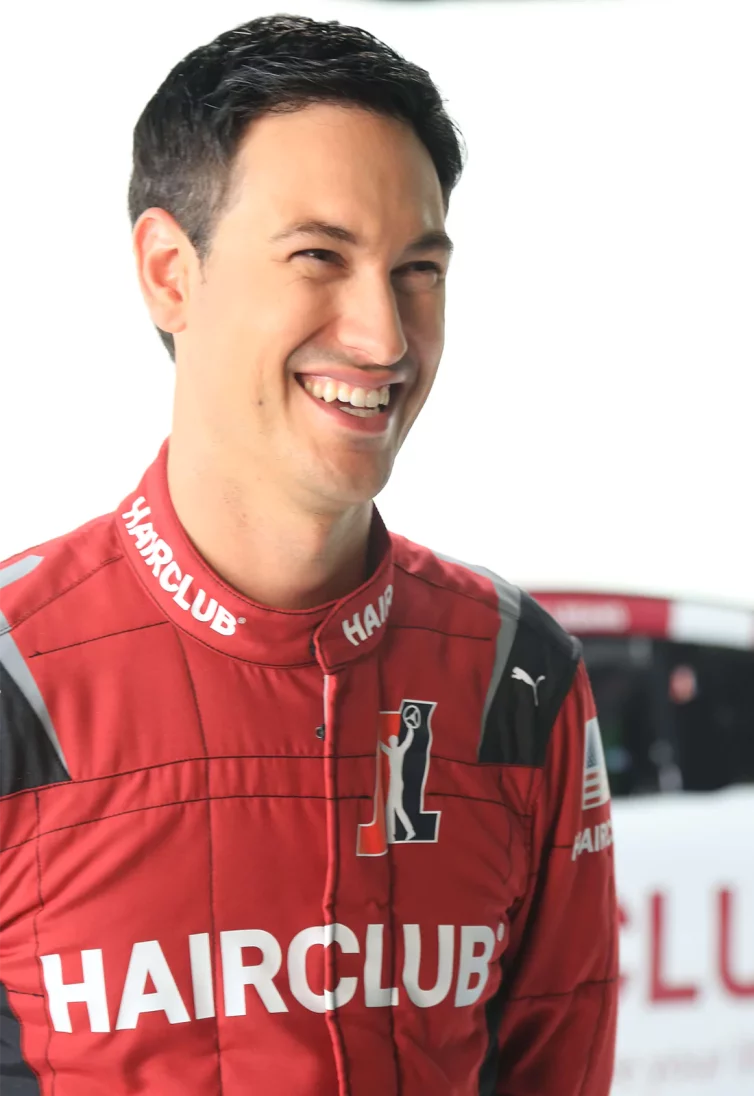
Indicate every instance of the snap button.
{"type": "Point", "coordinates": [320, 731]}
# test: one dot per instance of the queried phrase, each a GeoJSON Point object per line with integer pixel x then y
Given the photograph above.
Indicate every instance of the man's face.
{"type": "Point", "coordinates": [306, 352]}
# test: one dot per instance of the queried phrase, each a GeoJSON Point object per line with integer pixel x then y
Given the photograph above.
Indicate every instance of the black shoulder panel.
{"type": "Point", "coordinates": [538, 673]}
{"type": "Point", "coordinates": [16, 1077]}
{"type": "Point", "coordinates": [28, 758]}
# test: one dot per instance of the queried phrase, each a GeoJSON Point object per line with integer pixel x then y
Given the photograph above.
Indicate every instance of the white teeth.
{"type": "Point", "coordinates": [330, 390]}
{"type": "Point", "coordinates": [360, 412]}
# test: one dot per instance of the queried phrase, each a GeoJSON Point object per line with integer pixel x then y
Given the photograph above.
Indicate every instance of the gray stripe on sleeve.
{"type": "Point", "coordinates": [509, 609]}
{"type": "Point", "coordinates": [13, 660]}
{"type": "Point", "coordinates": [14, 571]}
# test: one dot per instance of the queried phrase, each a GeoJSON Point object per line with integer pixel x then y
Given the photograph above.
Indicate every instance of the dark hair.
{"type": "Point", "coordinates": [188, 135]}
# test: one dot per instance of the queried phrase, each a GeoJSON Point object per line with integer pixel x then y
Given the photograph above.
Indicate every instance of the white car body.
{"type": "Point", "coordinates": [685, 877]}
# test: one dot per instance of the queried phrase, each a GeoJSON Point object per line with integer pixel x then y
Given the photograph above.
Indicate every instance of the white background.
{"type": "Point", "coordinates": [592, 424]}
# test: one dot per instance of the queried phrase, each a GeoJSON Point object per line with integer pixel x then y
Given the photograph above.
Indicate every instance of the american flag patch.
{"type": "Point", "coordinates": [596, 789]}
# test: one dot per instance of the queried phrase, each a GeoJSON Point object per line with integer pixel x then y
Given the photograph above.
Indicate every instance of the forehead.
{"type": "Point", "coordinates": [337, 163]}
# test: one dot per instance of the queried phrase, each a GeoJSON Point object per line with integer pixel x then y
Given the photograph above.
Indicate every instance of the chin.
{"type": "Point", "coordinates": [357, 486]}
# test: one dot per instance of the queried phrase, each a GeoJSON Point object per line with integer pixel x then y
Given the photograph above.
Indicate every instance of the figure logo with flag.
{"type": "Point", "coordinates": [403, 757]}
{"type": "Point", "coordinates": [596, 790]}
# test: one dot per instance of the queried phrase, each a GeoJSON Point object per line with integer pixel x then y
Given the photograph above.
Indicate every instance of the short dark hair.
{"type": "Point", "coordinates": [187, 138]}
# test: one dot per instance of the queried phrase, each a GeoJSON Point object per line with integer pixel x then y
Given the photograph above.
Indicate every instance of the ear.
{"type": "Point", "coordinates": [164, 256]}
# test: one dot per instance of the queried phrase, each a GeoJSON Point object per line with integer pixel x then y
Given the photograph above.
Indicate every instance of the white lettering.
{"type": "Point", "coordinates": [297, 953]}
{"type": "Point", "coordinates": [138, 511]}
{"type": "Point", "coordinates": [593, 839]}
{"type": "Point", "coordinates": [159, 554]}
{"type": "Point", "coordinates": [236, 976]}
{"type": "Point", "coordinates": [224, 622]}
{"type": "Point", "coordinates": [470, 964]}
{"type": "Point", "coordinates": [357, 632]}
{"type": "Point", "coordinates": [196, 608]}
{"type": "Point", "coordinates": [180, 595]}
{"type": "Point", "coordinates": [375, 994]}
{"type": "Point", "coordinates": [322, 936]}
{"type": "Point", "coordinates": [201, 975]}
{"type": "Point", "coordinates": [427, 998]}
{"type": "Point", "coordinates": [91, 990]}
{"type": "Point", "coordinates": [345, 990]}
{"type": "Point", "coordinates": [171, 569]}
{"type": "Point", "coordinates": [148, 967]}
{"type": "Point", "coordinates": [145, 536]}
{"type": "Point", "coordinates": [354, 630]}
{"type": "Point", "coordinates": [371, 620]}
{"type": "Point", "coordinates": [148, 961]}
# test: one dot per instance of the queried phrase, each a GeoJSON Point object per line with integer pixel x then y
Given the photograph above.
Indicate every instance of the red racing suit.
{"type": "Point", "coordinates": [362, 849]}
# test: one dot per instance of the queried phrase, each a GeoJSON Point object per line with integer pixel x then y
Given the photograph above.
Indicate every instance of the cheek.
{"type": "Point", "coordinates": [242, 334]}
{"type": "Point", "coordinates": [424, 323]}
{"type": "Point", "coordinates": [418, 396]}
{"type": "Point", "coordinates": [426, 342]}
{"type": "Point", "coordinates": [271, 312]}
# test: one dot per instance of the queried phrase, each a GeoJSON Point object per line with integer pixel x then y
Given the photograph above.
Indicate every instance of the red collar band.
{"type": "Point", "coordinates": [200, 602]}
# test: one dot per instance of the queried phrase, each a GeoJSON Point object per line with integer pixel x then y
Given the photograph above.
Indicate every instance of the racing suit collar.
{"type": "Point", "coordinates": [186, 589]}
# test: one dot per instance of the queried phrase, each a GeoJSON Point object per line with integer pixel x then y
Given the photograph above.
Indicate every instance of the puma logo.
{"type": "Point", "coordinates": [521, 675]}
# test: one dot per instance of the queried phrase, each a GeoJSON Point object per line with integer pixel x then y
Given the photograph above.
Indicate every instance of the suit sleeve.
{"type": "Point", "coordinates": [557, 1033]}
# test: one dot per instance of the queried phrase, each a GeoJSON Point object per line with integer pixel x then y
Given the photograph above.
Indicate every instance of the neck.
{"type": "Point", "coordinates": [267, 548]}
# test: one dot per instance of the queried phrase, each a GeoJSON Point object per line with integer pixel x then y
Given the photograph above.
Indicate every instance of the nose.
{"type": "Point", "coordinates": [370, 322]}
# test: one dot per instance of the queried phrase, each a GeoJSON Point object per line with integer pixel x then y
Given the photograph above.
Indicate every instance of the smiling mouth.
{"type": "Point", "coordinates": [360, 401]}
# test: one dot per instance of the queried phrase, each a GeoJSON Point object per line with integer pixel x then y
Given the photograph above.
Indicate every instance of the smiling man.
{"type": "Point", "coordinates": [288, 803]}
{"type": "Point", "coordinates": [309, 338]}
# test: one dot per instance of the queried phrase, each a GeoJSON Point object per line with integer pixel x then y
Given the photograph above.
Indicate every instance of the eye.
{"type": "Point", "coordinates": [423, 272]}
{"type": "Point", "coordinates": [319, 254]}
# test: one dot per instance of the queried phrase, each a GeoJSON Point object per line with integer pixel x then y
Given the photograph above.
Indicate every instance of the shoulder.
{"type": "Point", "coordinates": [485, 592]}
{"type": "Point", "coordinates": [33, 581]}
{"type": "Point", "coordinates": [437, 589]}
{"type": "Point", "coordinates": [32, 585]}
{"type": "Point", "coordinates": [54, 597]}
{"type": "Point", "coordinates": [535, 659]}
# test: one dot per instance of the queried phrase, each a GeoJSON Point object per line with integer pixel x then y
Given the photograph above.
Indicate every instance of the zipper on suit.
{"type": "Point", "coordinates": [331, 882]}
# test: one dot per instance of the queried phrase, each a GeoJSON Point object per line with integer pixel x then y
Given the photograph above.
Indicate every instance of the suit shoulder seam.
{"type": "Point", "coordinates": [59, 593]}
{"type": "Point", "coordinates": [443, 586]}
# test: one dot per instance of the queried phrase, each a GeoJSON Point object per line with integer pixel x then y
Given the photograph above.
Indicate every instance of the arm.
{"type": "Point", "coordinates": [559, 1005]}
{"type": "Point", "coordinates": [30, 756]}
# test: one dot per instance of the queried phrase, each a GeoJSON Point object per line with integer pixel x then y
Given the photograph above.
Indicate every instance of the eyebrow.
{"type": "Point", "coordinates": [428, 241]}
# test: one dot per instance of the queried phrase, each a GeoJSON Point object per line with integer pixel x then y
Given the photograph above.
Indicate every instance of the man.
{"type": "Point", "coordinates": [208, 887]}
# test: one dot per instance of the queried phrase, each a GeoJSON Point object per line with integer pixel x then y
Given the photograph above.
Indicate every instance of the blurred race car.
{"type": "Point", "coordinates": [674, 686]}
